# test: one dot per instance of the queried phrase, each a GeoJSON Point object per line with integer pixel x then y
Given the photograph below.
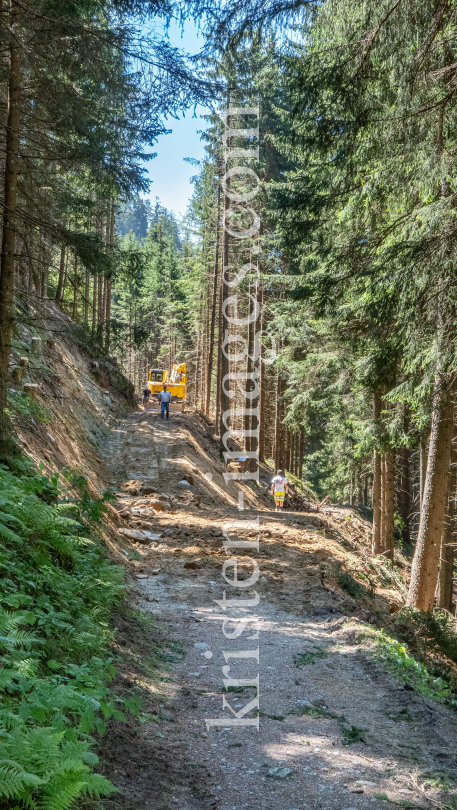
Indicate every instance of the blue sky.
{"type": "Point", "coordinates": [169, 174]}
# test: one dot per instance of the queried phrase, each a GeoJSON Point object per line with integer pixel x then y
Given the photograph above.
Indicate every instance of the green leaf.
{"type": "Point", "coordinates": [53, 664]}
{"type": "Point", "coordinates": [90, 757]}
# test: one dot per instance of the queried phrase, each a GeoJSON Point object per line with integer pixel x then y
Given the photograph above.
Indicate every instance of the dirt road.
{"type": "Point", "coordinates": [335, 730]}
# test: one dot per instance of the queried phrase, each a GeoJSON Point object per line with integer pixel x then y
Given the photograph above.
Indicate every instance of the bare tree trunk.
{"type": "Point", "coordinates": [219, 357]}
{"type": "Point", "coordinates": [197, 369]}
{"type": "Point", "coordinates": [94, 307]}
{"type": "Point", "coordinates": [390, 504]}
{"type": "Point", "coordinates": [424, 572]}
{"type": "Point", "coordinates": [75, 289]}
{"type": "Point", "coordinates": [250, 403]}
{"type": "Point", "coordinates": [300, 459]}
{"type": "Point", "coordinates": [44, 268]}
{"type": "Point", "coordinates": [225, 398]}
{"type": "Point", "coordinates": [109, 283]}
{"type": "Point", "coordinates": [86, 298]}
{"type": "Point", "coordinates": [446, 571]}
{"type": "Point", "coordinates": [279, 445]}
{"type": "Point", "coordinates": [9, 219]}
{"type": "Point", "coordinates": [262, 383]}
{"type": "Point", "coordinates": [423, 469]}
{"type": "Point", "coordinates": [204, 366]}
{"type": "Point", "coordinates": [99, 306]}
{"type": "Point", "coordinates": [376, 545]}
{"type": "Point", "coordinates": [383, 529]}
{"type": "Point", "coordinates": [61, 276]}
{"type": "Point", "coordinates": [209, 370]}
{"type": "Point", "coordinates": [108, 316]}
{"type": "Point", "coordinates": [404, 500]}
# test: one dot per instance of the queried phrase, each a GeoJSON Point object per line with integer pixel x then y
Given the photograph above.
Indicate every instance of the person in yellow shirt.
{"type": "Point", "coordinates": [279, 488]}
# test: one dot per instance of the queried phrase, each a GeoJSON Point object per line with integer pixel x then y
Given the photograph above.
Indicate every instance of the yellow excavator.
{"type": "Point", "coordinates": [176, 382]}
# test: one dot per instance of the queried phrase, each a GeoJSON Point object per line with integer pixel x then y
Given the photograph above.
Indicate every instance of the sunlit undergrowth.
{"type": "Point", "coordinates": [398, 660]}
{"type": "Point", "coordinates": [57, 590]}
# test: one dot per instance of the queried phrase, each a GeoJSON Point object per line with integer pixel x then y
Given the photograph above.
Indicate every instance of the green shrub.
{"type": "Point", "coordinates": [404, 666]}
{"type": "Point", "coordinates": [349, 584]}
{"type": "Point", "coordinates": [428, 631]}
{"type": "Point", "coordinates": [20, 404]}
{"type": "Point", "coordinates": [57, 589]}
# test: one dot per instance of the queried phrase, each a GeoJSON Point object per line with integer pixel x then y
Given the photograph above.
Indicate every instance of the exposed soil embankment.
{"type": "Point", "coordinates": [65, 401]}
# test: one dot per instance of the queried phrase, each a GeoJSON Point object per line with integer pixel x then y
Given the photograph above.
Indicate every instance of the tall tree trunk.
{"type": "Point", "coordinates": [99, 306]}
{"type": "Point", "coordinates": [75, 289]}
{"type": "Point", "coordinates": [262, 384]}
{"type": "Point", "coordinates": [383, 525]}
{"type": "Point", "coordinates": [300, 456]}
{"type": "Point", "coordinates": [109, 281]}
{"type": "Point", "coordinates": [225, 398]}
{"type": "Point", "coordinates": [279, 446]}
{"type": "Point", "coordinates": [43, 268]}
{"type": "Point", "coordinates": [422, 468]}
{"type": "Point", "coordinates": [219, 356]}
{"type": "Point", "coordinates": [61, 276]}
{"type": "Point", "coordinates": [389, 529]}
{"type": "Point", "coordinates": [424, 572]}
{"type": "Point", "coordinates": [9, 220]}
{"type": "Point", "coordinates": [249, 402]}
{"type": "Point", "coordinates": [108, 317]}
{"type": "Point", "coordinates": [446, 571]}
{"type": "Point", "coordinates": [86, 298]}
{"type": "Point", "coordinates": [94, 307]}
{"type": "Point", "coordinates": [376, 544]}
{"type": "Point", "coordinates": [197, 369]}
{"type": "Point", "coordinates": [404, 501]}
{"type": "Point", "coordinates": [205, 354]}
{"type": "Point", "coordinates": [209, 370]}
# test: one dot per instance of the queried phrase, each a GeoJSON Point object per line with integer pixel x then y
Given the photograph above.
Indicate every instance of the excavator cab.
{"type": "Point", "coordinates": [176, 382]}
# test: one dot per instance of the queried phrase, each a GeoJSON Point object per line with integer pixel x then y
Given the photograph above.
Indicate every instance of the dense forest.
{"type": "Point", "coordinates": [353, 269]}
{"type": "Point", "coordinates": [354, 277]}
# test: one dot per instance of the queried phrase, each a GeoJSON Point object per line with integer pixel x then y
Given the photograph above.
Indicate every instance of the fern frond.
{"type": "Point", "coordinates": [13, 779]}
{"type": "Point", "coordinates": [6, 516]}
{"type": "Point", "coordinates": [9, 719]}
{"type": "Point", "coordinates": [28, 667]}
{"type": "Point", "coordinates": [61, 799]}
{"type": "Point", "coordinates": [96, 785]}
{"type": "Point", "coordinates": [8, 534]}
{"type": "Point", "coordinates": [6, 676]}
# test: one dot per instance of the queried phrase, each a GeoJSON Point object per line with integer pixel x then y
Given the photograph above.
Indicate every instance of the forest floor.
{"type": "Point", "coordinates": [336, 729]}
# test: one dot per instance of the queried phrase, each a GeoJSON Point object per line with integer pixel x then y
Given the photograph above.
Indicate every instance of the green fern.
{"type": "Point", "coordinates": [57, 593]}
{"type": "Point", "coordinates": [9, 719]}
{"type": "Point", "coordinates": [13, 779]}
{"type": "Point", "coordinates": [7, 534]}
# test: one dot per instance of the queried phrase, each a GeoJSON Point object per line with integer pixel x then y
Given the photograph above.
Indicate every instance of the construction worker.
{"type": "Point", "coordinates": [165, 399]}
{"type": "Point", "coordinates": [146, 395]}
{"type": "Point", "coordinates": [279, 488]}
